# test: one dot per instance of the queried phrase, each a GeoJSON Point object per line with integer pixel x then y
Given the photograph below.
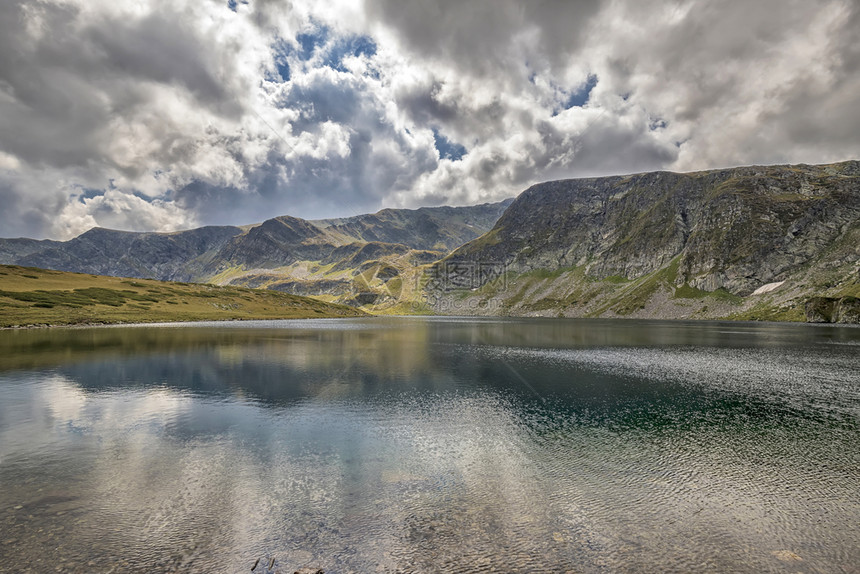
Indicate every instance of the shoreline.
{"type": "Point", "coordinates": [94, 324]}
{"type": "Point", "coordinates": [89, 325]}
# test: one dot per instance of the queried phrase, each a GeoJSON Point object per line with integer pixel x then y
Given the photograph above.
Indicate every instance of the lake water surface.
{"type": "Point", "coordinates": [431, 445]}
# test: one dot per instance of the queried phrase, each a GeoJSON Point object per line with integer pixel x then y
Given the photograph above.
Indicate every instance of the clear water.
{"type": "Point", "coordinates": [431, 445]}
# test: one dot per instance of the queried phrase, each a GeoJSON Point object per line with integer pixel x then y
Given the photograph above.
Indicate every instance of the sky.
{"type": "Point", "coordinates": [158, 115]}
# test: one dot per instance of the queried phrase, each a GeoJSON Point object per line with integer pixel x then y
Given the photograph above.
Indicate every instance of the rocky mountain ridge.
{"type": "Point", "coordinates": [619, 245]}
{"type": "Point", "coordinates": [757, 242]}
{"type": "Point", "coordinates": [286, 253]}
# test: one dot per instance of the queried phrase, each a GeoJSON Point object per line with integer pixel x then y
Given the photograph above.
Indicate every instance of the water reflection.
{"type": "Point", "coordinates": [420, 445]}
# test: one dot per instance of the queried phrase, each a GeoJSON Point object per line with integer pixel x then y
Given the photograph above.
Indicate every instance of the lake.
{"type": "Point", "coordinates": [431, 445]}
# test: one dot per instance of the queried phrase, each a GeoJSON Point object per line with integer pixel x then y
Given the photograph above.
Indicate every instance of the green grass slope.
{"type": "Point", "coordinates": [32, 296]}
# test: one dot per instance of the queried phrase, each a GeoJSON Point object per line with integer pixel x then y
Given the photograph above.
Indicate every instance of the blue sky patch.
{"type": "Point", "coordinates": [349, 46]}
{"type": "Point", "coordinates": [448, 149]}
{"type": "Point", "coordinates": [579, 98]}
{"type": "Point", "coordinates": [281, 50]}
{"type": "Point", "coordinates": [282, 67]}
{"type": "Point", "coordinates": [311, 41]}
{"type": "Point", "coordinates": [319, 43]}
{"type": "Point", "coordinates": [88, 193]}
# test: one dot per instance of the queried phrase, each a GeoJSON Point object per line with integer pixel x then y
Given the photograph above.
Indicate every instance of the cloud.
{"type": "Point", "coordinates": [163, 115]}
{"type": "Point", "coordinates": [483, 37]}
{"type": "Point", "coordinates": [740, 84]}
{"type": "Point", "coordinates": [108, 97]}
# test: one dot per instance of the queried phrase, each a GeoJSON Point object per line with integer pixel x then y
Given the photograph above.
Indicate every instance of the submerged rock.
{"type": "Point", "coordinates": [786, 556]}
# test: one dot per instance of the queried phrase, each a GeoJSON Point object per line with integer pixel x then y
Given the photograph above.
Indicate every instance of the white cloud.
{"type": "Point", "coordinates": [161, 115]}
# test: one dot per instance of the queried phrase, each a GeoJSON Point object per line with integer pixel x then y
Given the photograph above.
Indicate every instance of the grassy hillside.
{"type": "Point", "coordinates": [32, 296]}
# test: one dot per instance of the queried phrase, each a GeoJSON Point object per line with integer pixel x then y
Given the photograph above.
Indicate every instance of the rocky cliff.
{"type": "Point", "coordinates": [667, 244]}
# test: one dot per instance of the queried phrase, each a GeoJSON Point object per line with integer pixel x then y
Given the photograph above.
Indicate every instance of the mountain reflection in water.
{"type": "Point", "coordinates": [427, 445]}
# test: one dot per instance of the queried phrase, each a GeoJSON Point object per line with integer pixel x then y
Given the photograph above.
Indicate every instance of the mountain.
{"type": "Point", "coordinates": [275, 243]}
{"type": "Point", "coordinates": [749, 242]}
{"type": "Point", "coordinates": [285, 253]}
{"type": "Point", "coordinates": [178, 256]}
{"type": "Point", "coordinates": [428, 228]}
{"type": "Point", "coordinates": [15, 249]}
{"type": "Point", "coordinates": [759, 242]}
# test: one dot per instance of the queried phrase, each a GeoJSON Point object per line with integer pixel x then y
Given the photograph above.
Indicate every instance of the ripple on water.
{"type": "Point", "coordinates": [460, 457]}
